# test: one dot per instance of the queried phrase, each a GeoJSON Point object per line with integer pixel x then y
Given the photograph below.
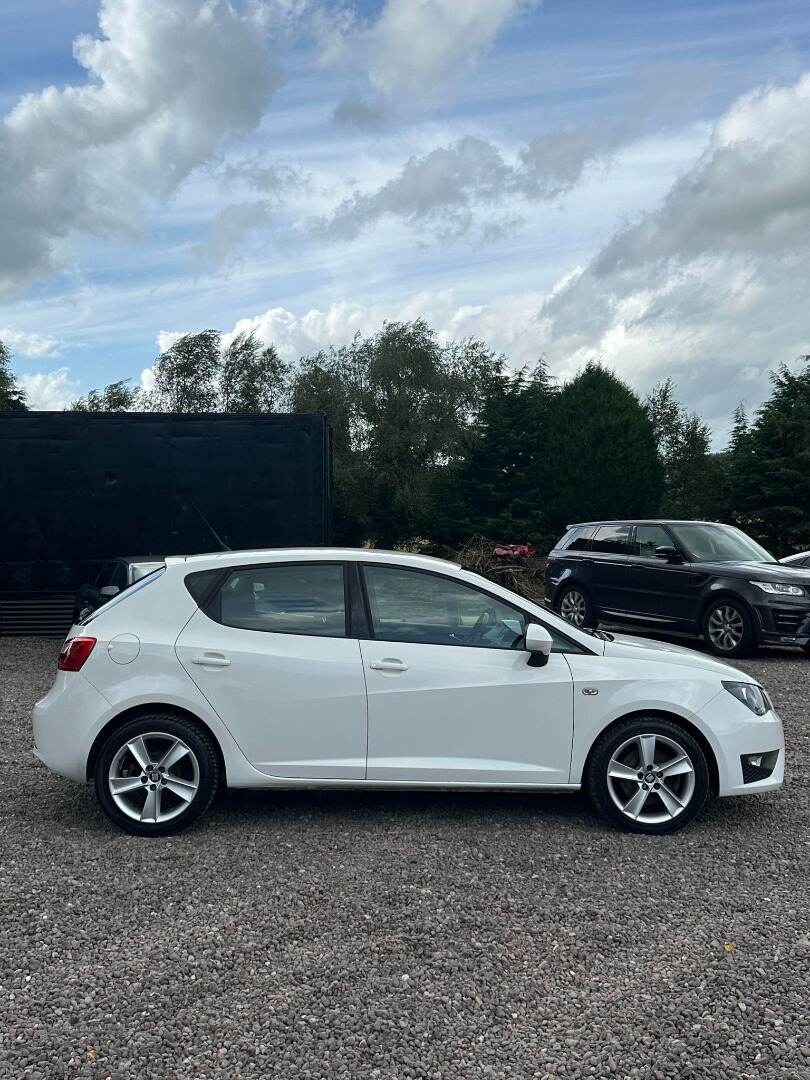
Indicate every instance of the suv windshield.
{"type": "Point", "coordinates": [720, 543]}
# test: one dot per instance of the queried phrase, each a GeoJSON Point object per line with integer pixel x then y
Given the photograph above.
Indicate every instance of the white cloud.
{"type": "Point", "coordinates": [167, 338]}
{"type": "Point", "coordinates": [29, 344]}
{"type": "Point", "coordinates": [508, 324]}
{"type": "Point", "coordinates": [167, 82]}
{"type": "Point", "coordinates": [711, 287]}
{"type": "Point", "coordinates": [417, 47]}
{"type": "Point", "coordinates": [50, 389]}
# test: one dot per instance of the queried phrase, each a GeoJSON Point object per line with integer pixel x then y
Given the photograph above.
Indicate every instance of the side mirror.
{"type": "Point", "coordinates": [109, 590]}
{"type": "Point", "coordinates": [537, 643]}
{"type": "Point", "coordinates": [668, 553]}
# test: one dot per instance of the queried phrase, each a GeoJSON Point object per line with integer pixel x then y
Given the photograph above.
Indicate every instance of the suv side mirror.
{"type": "Point", "coordinates": [537, 643]}
{"type": "Point", "coordinates": [109, 590]}
{"type": "Point", "coordinates": [671, 554]}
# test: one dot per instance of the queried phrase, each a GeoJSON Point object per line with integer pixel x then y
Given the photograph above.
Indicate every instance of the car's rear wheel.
{"type": "Point", "coordinates": [574, 605]}
{"type": "Point", "coordinates": [156, 775]}
{"type": "Point", "coordinates": [648, 775]}
{"type": "Point", "coordinates": [728, 629]}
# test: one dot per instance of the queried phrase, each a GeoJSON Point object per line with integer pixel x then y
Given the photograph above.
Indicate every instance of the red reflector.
{"type": "Point", "coordinates": [74, 653]}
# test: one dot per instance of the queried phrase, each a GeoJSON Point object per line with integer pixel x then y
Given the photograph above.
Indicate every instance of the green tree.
{"type": "Point", "coordinates": [187, 375]}
{"type": "Point", "coordinates": [495, 491]}
{"type": "Point", "coordinates": [401, 405]}
{"type": "Point", "coordinates": [253, 378]}
{"type": "Point", "coordinates": [12, 396]}
{"type": "Point", "coordinates": [691, 472]}
{"type": "Point", "coordinates": [770, 464]}
{"type": "Point", "coordinates": [116, 397]}
{"type": "Point", "coordinates": [604, 459]}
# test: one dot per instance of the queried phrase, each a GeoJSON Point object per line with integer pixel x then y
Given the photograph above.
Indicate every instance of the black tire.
{"type": "Point", "coordinates": [569, 593]}
{"type": "Point", "coordinates": [601, 788]}
{"type": "Point", "coordinates": [199, 766]}
{"type": "Point", "coordinates": [806, 647]}
{"type": "Point", "coordinates": [741, 618]}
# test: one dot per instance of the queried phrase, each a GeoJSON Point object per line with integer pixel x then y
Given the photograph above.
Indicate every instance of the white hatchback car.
{"type": "Point", "coordinates": [355, 668]}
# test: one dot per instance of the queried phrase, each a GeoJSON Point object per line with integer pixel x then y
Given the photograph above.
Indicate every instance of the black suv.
{"type": "Point", "coordinates": [694, 576]}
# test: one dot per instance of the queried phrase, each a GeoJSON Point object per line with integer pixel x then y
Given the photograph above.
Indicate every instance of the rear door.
{"type": "Point", "coordinates": [451, 695]}
{"type": "Point", "coordinates": [607, 558]}
{"type": "Point", "coordinates": [272, 655]}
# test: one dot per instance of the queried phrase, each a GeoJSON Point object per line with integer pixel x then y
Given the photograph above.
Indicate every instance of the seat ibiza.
{"type": "Point", "coordinates": [354, 668]}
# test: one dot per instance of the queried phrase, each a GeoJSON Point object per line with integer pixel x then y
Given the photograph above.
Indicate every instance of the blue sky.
{"type": "Point", "coordinates": [622, 179]}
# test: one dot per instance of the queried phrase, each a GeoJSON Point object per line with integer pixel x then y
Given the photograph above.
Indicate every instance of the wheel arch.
{"type": "Point", "coordinates": [674, 718]}
{"type": "Point", "coordinates": [147, 709]}
{"type": "Point", "coordinates": [725, 592]}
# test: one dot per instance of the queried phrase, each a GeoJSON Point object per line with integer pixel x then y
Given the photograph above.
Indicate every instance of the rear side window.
{"type": "Point", "coordinates": [612, 539]}
{"type": "Point", "coordinates": [297, 598]}
{"type": "Point", "coordinates": [648, 538]}
{"type": "Point", "coordinates": [577, 539]}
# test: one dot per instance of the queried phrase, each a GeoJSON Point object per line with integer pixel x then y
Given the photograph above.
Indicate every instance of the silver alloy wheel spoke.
{"type": "Point", "coordinates": [646, 750]}
{"type": "Point", "coordinates": [121, 784]}
{"type": "Point", "coordinates": [137, 747]}
{"type": "Point", "coordinates": [144, 788]}
{"type": "Point", "coordinates": [620, 771]}
{"type": "Point", "coordinates": [173, 755]}
{"type": "Point", "coordinates": [636, 804]}
{"type": "Point", "coordinates": [672, 803]}
{"type": "Point", "coordinates": [676, 766]}
{"type": "Point", "coordinates": [181, 788]}
{"type": "Point", "coordinates": [651, 778]}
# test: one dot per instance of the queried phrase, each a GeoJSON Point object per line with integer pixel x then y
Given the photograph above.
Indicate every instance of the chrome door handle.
{"type": "Point", "coordinates": [388, 664]}
{"type": "Point", "coordinates": [211, 660]}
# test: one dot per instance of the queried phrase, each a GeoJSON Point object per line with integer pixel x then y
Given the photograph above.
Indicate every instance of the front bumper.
{"type": "Point", "coordinates": [736, 734]}
{"type": "Point", "coordinates": [783, 622]}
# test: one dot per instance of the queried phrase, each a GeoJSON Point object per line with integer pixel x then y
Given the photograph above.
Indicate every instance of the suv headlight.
{"type": "Point", "coordinates": [751, 695]}
{"type": "Point", "coordinates": [778, 589]}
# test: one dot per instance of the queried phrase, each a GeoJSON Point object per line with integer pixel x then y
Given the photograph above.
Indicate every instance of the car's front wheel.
{"type": "Point", "coordinates": [575, 606]}
{"type": "Point", "coordinates": [728, 629]}
{"type": "Point", "coordinates": [648, 775]}
{"type": "Point", "coordinates": [156, 775]}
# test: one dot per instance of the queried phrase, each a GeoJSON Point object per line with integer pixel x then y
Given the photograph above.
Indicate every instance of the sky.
{"type": "Point", "coordinates": [621, 180]}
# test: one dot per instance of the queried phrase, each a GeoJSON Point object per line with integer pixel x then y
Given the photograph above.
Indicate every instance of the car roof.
{"type": "Point", "coordinates": [312, 554]}
{"type": "Point", "coordinates": [645, 521]}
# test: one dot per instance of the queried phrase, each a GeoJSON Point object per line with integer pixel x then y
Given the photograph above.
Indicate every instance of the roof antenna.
{"type": "Point", "coordinates": [223, 546]}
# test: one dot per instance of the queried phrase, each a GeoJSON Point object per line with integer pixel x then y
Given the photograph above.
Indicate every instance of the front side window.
{"type": "Point", "coordinates": [612, 539]}
{"type": "Point", "coordinates": [306, 598]}
{"type": "Point", "coordinates": [650, 537]}
{"type": "Point", "coordinates": [425, 608]}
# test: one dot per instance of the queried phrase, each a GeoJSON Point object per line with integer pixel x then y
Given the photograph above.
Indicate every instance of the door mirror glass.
{"type": "Point", "coordinates": [538, 643]}
{"type": "Point", "coordinates": [109, 590]}
{"type": "Point", "coordinates": [668, 553]}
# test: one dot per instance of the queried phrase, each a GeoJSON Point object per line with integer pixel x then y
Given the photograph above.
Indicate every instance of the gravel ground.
{"type": "Point", "coordinates": [400, 935]}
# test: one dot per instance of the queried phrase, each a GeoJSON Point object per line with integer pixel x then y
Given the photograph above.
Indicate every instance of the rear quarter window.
{"type": "Point", "coordinates": [577, 539]}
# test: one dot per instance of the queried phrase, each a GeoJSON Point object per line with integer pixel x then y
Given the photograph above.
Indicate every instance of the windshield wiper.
{"type": "Point", "coordinates": [603, 634]}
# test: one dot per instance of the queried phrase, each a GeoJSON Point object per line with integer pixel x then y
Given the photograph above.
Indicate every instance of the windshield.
{"type": "Point", "coordinates": [720, 543]}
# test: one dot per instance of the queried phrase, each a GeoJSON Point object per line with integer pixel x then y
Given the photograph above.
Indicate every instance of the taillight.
{"type": "Point", "coordinates": [74, 653]}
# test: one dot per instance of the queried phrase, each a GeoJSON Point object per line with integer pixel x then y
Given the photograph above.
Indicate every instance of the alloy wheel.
{"type": "Point", "coordinates": [651, 779]}
{"type": "Point", "coordinates": [154, 777]}
{"type": "Point", "coordinates": [725, 628]}
{"type": "Point", "coordinates": [573, 607]}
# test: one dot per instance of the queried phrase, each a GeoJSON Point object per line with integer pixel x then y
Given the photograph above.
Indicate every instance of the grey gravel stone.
{"type": "Point", "coordinates": [382, 935]}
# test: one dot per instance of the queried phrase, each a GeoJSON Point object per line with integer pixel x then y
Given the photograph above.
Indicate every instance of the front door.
{"type": "Point", "coordinates": [451, 696]}
{"type": "Point", "coordinates": [660, 592]}
{"type": "Point", "coordinates": [272, 656]}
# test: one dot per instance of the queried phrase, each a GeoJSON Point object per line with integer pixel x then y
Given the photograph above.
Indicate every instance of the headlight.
{"type": "Point", "coordinates": [777, 588]}
{"type": "Point", "coordinates": [751, 695]}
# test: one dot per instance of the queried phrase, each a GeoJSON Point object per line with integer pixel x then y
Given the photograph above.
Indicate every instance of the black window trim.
{"type": "Point", "coordinates": [211, 602]}
{"type": "Point", "coordinates": [528, 616]}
